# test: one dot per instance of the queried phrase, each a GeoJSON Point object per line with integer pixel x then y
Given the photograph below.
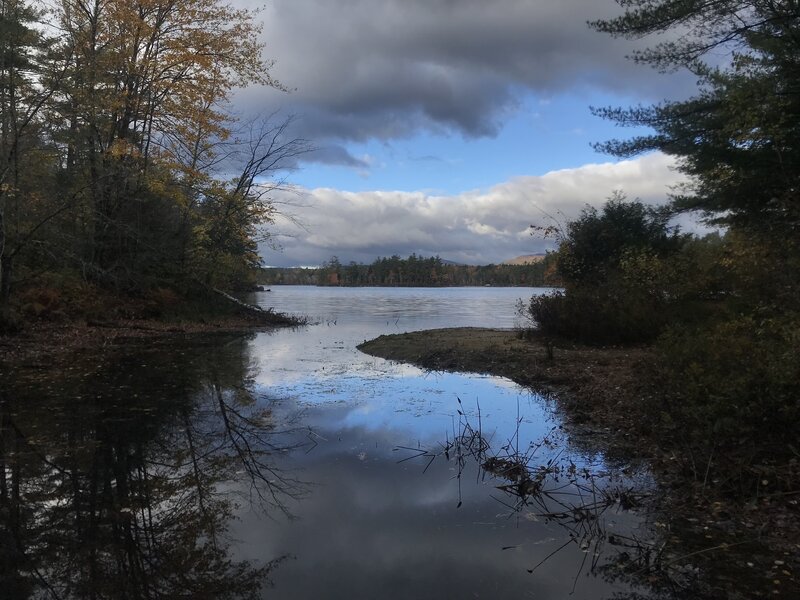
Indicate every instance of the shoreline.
{"type": "Point", "coordinates": [574, 372]}
{"type": "Point", "coordinates": [742, 547]}
{"type": "Point", "coordinates": [55, 341]}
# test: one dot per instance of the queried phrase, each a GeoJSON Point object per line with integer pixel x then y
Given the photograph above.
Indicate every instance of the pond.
{"type": "Point", "coordinates": [287, 464]}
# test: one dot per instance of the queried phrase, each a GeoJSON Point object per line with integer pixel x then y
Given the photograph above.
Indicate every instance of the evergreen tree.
{"type": "Point", "coordinates": [739, 137]}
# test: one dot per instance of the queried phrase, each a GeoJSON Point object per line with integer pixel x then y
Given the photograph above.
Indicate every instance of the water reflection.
{"type": "Point", "coordinates": [372, 523]}
{"type": "Point", "coordinates": [117, 475]}
{"type": "Point", "coordinates": [177, 469]}
{"type": "Point", "coordinates": [556, 489]}
{"type": "Point", "coordinates": [439, 529]}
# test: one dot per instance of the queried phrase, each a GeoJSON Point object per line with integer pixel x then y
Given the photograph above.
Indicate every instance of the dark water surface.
{"type": "Point", "coordinates": [289, 465]}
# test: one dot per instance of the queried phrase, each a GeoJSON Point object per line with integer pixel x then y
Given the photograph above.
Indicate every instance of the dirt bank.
{"type": "Point", "coordinates": [52, 343]}
{"type": "Point", "coordinates": [740, 547]}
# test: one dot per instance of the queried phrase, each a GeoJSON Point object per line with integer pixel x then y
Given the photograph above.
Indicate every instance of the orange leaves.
{"type": "Point", "coordinates": [150, 70]}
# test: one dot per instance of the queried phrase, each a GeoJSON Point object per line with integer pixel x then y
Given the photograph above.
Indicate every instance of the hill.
{"type": "Point", "coordinates": [525, 259]}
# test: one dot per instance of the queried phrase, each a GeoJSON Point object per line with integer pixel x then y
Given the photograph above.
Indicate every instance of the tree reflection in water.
{"type": "Point", "coordinates": [577, 498]}
{"type": "Point", "coordinates": [119, 474]}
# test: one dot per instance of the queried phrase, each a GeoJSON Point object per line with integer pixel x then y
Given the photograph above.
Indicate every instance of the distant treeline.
{"type": "Point", "coordinates": [414, 271]}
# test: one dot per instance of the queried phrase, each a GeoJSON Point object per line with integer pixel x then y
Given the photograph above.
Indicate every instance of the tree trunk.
{"type": "Point", "coordinates": [3, 450]}
{"type": "Point", "coordinates": [3, 301]}
{"type": "Point", "coordinates": [5, 284]}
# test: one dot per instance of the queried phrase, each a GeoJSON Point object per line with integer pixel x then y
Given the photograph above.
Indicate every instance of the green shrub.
{"type": "Point", "coordinates": [617, 267]}
{"type": "Point", "coordinates": [735, 382]}
{"type": "Point", "coordinates": [599, 315]}
{"type": "Point", "coordinates": [595, 246]}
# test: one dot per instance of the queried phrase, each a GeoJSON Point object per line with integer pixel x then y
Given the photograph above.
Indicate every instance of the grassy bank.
{"type": "Point", "coordinates": [743, 545]}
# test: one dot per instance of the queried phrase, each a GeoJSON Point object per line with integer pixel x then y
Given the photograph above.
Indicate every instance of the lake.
{"type": "Point", "coordinates": [287, 464]}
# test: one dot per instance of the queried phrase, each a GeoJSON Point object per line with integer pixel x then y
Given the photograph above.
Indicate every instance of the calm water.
{"type": "Point", "coordinates": [290, 465]}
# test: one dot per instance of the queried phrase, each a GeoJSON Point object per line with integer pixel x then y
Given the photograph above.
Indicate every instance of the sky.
{"type": "Point", "coordinates": [447, 127]}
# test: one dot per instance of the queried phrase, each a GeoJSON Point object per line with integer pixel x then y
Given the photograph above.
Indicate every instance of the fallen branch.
{"type": "Point", "coordinates": [123, 325]}
{"type": "Point", "coordinates": [265, 315]}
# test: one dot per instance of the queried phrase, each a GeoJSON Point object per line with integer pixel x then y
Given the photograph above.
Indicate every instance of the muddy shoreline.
{"type": "Point", "coordinates": [51, 343]}
{"type": "Point", "coordinates": [732, 547]}
{"type": "Point", "coordinates": [572, 372]}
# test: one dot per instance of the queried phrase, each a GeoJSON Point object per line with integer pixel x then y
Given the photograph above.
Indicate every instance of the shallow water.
{"type": "Point", "coordinates": [167, 468]}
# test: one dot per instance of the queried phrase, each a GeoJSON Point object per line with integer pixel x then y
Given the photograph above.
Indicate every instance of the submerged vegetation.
{"type": "Point", "coordinates": [540, 483]}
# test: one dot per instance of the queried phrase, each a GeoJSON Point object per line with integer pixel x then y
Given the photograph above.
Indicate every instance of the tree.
{"type": "Point", "coordinates": [330, 273]}
{"type": "Point", "coordinates": [229, 215]}
{"type": "Point", "coordinates": [739, 138]}
{"type": "Point", "coordinates": [613, 263]}
{"type": "Point", "coordinates": [120, 163]}
{"type": "Point", "coordinates": [21, 99]}
{"type": "Point", "coordinates": [728, 361]}
{"type": "Point", "coordinates": [595, 244]}
{"type": "Point", "coordinates": [150, 78]}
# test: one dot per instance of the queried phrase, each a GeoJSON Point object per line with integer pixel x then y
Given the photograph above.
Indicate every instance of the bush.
{"type": "Point", "coordinates": [736, 382]}
{"type": "Point", "coordinates": [41, 302]}
{"type": "Point", "coordinates": [599, 315]}
{"type": "Point", "coordinates": [617, 272]}
{"type": "Point", "coordinates": [596, 244]}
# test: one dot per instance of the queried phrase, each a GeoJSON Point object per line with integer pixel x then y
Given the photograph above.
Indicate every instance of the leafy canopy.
{"type": "Point", "coordinates": [598, 241]}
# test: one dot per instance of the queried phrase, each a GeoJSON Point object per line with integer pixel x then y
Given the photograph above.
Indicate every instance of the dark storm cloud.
{"type": "Point", "coordinates": [337, 155]}
{"type": "Point", "coordinates": [366, 69]}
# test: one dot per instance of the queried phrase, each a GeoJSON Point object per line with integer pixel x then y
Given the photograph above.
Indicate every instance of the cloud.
{"type": "Point", "coordinates": [376, 516]}
{"type": "Point", "coordinates": [337, 155]}
{"type": "Point", "coordinates": [474, 227]}
{"type": "Point", "coordinates": [387, 69]}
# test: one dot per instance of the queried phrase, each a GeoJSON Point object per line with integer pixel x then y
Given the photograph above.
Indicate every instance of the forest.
{"type": "Point", "coordinates": [414, 271]}
{"type": "Point", "coordinates": [126, 184]}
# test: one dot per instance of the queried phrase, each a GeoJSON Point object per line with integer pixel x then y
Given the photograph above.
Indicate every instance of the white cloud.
{"type": "Point", "coordinates": [475, 227]}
